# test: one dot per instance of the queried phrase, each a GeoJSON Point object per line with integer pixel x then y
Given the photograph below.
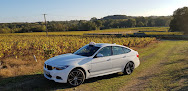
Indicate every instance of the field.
{"type": "Point", "coordinates": [162, 67]}
{"type": "Point", "coordinates": [116, 30]}
{"type": "Point", "coordinates": [16, 52]}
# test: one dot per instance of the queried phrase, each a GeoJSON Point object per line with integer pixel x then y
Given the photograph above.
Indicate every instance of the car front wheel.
{"type": "Point", "coordinates": [129, 68]}
{"type": "Point", "coordinates": [76, 77]}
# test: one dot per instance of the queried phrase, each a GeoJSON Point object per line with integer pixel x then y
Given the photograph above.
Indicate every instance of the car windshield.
{"type": "Point", "coordinates": [87, 50]}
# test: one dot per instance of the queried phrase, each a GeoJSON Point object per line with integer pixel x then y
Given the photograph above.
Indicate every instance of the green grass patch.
{"type": "Point", "coordinates": [173, 75]}
{"type": "Point", "coordinates": [163, 33]}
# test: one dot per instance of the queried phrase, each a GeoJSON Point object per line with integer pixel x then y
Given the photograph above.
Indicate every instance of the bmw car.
{"type": "Point", "coordinates": [92, 60]}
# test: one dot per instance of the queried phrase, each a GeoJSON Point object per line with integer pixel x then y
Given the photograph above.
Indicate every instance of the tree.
{"type": "Point", "coordinates": [180, 20]}
{"type": "Point", "coordinates": [140, 24]}
{"type": "Point", "coordinates": [131, 22]}
{"type": "Point", "coordinates": [5, 30]}
{"type": "Point", "coordinates": [98, 24]}
{"type": "Point", "coordinates": [93, 19]}
{"type": "Point", "coordinates": [87, 25]}
{"type": "Point", "coordinates": [143, 20]}
{"type": "Point", "coordinates": [151, 23]}
{"type": "Point", "coordinates": [115, 17]}
{"type": "Point", "coordinates": [114, 21]}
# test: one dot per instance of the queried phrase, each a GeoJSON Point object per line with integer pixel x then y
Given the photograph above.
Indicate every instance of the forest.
{"type": "Point", "coordinates": [107, 22]}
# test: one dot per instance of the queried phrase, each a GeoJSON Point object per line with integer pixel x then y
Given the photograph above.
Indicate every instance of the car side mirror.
{"type": "Point", "coordinates": [99, 55]}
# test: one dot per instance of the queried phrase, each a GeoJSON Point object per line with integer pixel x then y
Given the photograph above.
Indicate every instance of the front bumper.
{"type": "Point", "coordinates": [59, 76]}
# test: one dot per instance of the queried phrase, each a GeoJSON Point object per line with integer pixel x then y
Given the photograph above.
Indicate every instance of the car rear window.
{"type": "Point", "coordinates": [126, 50]}
{"type": "Point", "coordinates": [117, 50]}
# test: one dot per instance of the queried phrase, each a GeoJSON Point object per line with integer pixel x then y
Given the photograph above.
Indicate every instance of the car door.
{"type": "Point", "coordinates": [119, 58]}
{"type": "Point", "coordinates": [102, 65]}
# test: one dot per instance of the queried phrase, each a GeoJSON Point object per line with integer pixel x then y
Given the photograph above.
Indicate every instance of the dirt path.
{"type": "Point", "coordinates": [141, 82]}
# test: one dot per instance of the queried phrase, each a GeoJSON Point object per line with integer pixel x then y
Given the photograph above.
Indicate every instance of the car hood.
{"type": "Point", "coordinates": [64, 59]}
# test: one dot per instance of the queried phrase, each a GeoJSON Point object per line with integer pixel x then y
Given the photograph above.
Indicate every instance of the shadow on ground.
{"type": "Point", "coordinates": [38, 82]}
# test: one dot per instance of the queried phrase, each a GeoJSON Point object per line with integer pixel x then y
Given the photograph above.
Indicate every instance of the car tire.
{"type": "Point", "coordinates": [76, 77]}
{"type": "Point", "coordinates": [129, 67]}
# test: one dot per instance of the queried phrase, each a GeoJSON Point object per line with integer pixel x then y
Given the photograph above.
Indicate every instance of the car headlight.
{"type": "Point", "coordinates": [61, 67]}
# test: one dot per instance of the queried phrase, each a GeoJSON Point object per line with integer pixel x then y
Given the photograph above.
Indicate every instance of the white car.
{"type": "Point", "coordinates": [92, 60]}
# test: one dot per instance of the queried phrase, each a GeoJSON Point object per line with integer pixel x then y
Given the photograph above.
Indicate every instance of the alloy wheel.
{"type": "Point", "coordinates": [129, 68]}
{"type": "Point", "coordinates": [76, 77]}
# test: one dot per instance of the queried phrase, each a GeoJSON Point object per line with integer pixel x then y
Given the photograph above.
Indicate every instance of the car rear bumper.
{"type": "Point", "coordinates": [136, 62]}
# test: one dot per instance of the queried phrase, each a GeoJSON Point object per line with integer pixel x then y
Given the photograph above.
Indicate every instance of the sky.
{"type": "Point", "coordinates": [63, 10]}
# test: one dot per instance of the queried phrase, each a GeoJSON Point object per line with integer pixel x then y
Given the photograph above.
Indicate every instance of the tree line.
{"type": "Point", "coordinates": [108, 22]}
{"type": "Point", "coordinates": [179, 22]}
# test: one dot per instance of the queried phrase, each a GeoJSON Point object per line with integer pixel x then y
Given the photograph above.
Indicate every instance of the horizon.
{"type": "Point", "coordinates": [60, 10]}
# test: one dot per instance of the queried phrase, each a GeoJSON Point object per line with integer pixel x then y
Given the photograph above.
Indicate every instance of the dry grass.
{"type": "Point", "coordinates": [11, 67]}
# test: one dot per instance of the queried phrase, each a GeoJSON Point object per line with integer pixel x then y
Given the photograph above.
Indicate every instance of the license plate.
{"type": "Point", "coordinates": [46, 72]}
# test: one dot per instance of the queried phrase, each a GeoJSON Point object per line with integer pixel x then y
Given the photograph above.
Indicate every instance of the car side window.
{"type": "Point", "coordinates": [106, 51]}
{"type": "Point", "coordinates": [126, 50]}
{"type": "Point", "coordinates": [117, 50]}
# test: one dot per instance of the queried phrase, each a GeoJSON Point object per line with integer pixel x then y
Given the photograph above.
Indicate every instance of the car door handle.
{"type": "Point", "coordinates": [124, 56]}
{"type": "Point", "coordinates": [108, 59]}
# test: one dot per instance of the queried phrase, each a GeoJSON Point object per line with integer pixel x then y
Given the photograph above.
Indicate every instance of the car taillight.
{"type": "Point", "coordinates": [137, 55]}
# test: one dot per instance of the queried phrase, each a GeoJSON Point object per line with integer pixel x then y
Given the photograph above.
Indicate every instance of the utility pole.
{"type": "Point", "coordinates": [46, 24]}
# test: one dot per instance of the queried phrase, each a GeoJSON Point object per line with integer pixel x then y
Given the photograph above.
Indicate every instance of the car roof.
{"type": "Point", "coordinates": [105, 44]}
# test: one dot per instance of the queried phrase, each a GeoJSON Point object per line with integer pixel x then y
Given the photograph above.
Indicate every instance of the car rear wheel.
{"type": "Point", "coordinates": [76, 77]}
{"type": "Point", "coordinates": [129, 68]}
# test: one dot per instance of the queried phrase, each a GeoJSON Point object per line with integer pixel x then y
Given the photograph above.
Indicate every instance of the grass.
{"type": "Point", "coordinates": [163, 67]}
{"type": "Point", "coordinates": [15, 67]}
{"type": "Point", "coordinates": [163, 33]}
{"type": "Point", "coordinates": [173, 74]}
